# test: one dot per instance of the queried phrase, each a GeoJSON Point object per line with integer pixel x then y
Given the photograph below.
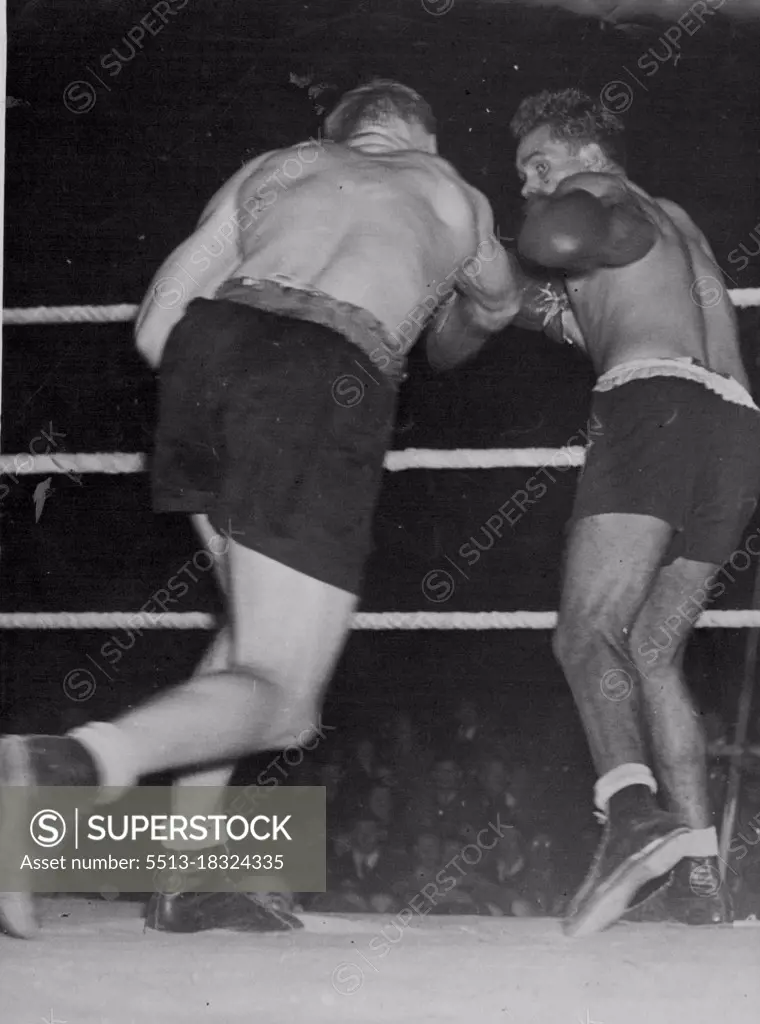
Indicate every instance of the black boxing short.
{"type": "Point", "coordinates": [275, 427]}
{"type": "Point", "coordinates": [674, 440]}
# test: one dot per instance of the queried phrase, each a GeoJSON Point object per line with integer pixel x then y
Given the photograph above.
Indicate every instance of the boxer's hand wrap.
{"type": "Point", "coordinates": [542, 304]}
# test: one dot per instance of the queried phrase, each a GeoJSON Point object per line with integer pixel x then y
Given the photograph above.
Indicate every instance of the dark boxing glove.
{"type": "Point", "coordinates": [578, 232]}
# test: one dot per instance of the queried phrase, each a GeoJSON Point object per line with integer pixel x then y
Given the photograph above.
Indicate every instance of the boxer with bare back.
{"type": "Point", "coordinates": [280, 330]}
{"type": "Point", "coordinates": [669, 484]}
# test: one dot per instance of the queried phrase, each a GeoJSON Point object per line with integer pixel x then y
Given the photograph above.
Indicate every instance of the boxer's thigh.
{"type": "Point", "coordinates": [610, 564]}
{"type": "Point", "coordinates": [289, 629]}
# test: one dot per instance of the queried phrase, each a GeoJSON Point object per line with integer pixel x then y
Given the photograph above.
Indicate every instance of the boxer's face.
{"type": "Point", "coordinates": [543, 162]}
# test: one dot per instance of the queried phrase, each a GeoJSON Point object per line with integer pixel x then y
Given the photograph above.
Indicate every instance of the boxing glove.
{"type": "Point", "coordinates": [578, 232]}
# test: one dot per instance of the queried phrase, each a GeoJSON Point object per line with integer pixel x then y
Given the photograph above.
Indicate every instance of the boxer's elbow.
{"type": "Point", "coordinates": [151, 350]}
{"type": "Point", "coordinates": [150, 342]}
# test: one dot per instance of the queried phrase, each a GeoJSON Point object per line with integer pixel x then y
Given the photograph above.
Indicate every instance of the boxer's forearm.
{"type": "Point", "coordinates": [455, 336]}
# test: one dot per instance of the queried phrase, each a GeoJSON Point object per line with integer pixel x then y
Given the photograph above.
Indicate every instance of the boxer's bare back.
{"type": "Point", "coordinates": [387, 230]}
{"type": "Point", "coordinates": [381, 231]}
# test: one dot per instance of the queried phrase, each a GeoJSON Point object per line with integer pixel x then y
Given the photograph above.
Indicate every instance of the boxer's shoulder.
{"type": "Point", "coordinates": [679, 217]}
{"type": "Point", "coordinates": [457, 203]}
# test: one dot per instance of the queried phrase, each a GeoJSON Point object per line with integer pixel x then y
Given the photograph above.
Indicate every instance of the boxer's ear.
{"type": "Point", "coordinates": [592, 157]}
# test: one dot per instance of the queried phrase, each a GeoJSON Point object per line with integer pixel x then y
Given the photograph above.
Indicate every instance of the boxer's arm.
{"type": "Point", "coordinates": [486, 297]}
{"type": "Point", "coordinates": [455, 334]}
{"type": "Point", "coordinates": [190, 273]}
{"type": "Point", "coordinates": [578, 231]}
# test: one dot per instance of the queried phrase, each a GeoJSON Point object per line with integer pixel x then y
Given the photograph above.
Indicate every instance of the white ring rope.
{"type": "Point", "coordinates": [123, 312]}
{"type": "Point", "coordinates": [138, 621]}
{"type": "Point", "coordinates": [408, 458]}
{"type": "Point", "coordinates": [120, 314]}
{"type": "Point", "coordinates": [395, 461]}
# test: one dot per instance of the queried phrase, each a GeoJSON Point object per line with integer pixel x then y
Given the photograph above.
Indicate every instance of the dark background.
{"type": "Point", "coordinates": [96, 199]}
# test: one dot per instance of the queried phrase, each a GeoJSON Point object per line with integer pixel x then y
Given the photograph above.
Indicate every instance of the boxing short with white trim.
{"type": "Point", "coordinates": [674, 440]}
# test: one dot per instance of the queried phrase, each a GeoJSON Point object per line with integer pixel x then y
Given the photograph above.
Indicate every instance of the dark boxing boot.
{"type": "Point", "coordinates": [181, 905]}
{"type": "Point", "coordinates": [634, 850]}
{"type": "Point", "coordinates": [27, 762]}
{"type": "Point", "coordinates": [693, 895]}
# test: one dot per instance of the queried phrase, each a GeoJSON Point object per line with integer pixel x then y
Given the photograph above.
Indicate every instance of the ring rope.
{"type": "Point", "coordinates": [118, 314]}
{"type": "Point", "coordinates": [410, 458]}
{"type": "Point", "coordinates": [395, 461]}
{"type": "Point", "coordinates": [137, 621]}
{"type": "Point", "coordinates": [124, 312]}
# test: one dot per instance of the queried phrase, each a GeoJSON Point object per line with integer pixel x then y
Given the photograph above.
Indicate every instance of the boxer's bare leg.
{"type": "Point", "coordinates": [611, 563]}
{"type": "Point", "coordinates": [677, 740]}
{"type": "Point", "coordinates": [613, 569]}
{"type": "Point", "coordinates": [203, 792]}
{"type": "Point", "coordinates": [287, 632]}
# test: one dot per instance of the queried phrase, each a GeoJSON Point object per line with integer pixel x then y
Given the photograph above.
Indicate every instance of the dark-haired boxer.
{"type": "Point", "coordinates": [669, 485]}
{"type": "Point", "coordinates": [281, 329]}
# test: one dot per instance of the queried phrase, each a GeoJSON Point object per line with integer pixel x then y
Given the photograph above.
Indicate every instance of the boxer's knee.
{"type": "Point", "coordinates": [583, 636]}
{"type": "Point", "coordinates": [298, 725]}
{"type": "Point", "coordinates": [659, 646]}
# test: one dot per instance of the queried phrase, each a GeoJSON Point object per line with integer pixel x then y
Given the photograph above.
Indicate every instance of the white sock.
{"type": "Point", "coordinates": [112, 754]}
{"type": "Point", "coordinates": [631, 774]}
{"type": "Point", "coordinates": [703, 842]}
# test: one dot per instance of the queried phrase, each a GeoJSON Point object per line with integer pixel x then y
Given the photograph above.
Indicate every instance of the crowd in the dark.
{"type": "Point", "coordinates": [445, 819]}
{"type": "Point", "coordinates": [456, 823]}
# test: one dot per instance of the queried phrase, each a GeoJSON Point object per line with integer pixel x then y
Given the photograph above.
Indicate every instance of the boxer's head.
{"type": "Point", "coordinates": [564, 133]}
{"type": "Point", "coordinates": [383, 116]}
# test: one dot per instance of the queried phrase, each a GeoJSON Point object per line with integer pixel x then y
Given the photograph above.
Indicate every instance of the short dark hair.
{"type": "Point", "coordinates": [573, 117]}
{"type": "Point", "coordinates": [374, 103]}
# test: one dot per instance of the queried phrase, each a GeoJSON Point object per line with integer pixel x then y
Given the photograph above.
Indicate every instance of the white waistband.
{"type": "Point", "coordinates": [685, 368]}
